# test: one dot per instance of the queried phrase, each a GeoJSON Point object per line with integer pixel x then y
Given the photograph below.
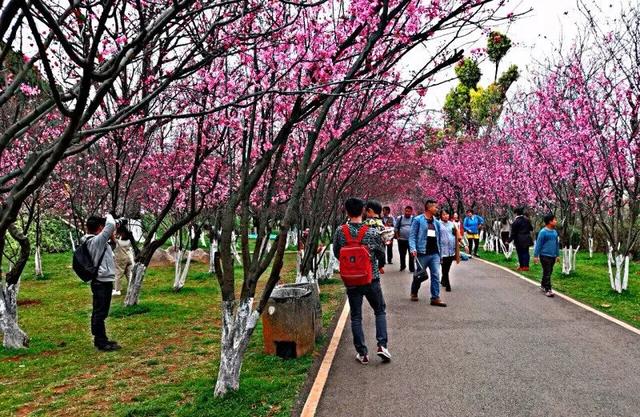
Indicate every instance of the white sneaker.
{"type": "Point", "coordinates": [384, 354]}
{"type": "Point", "coordinates": [114, 292]}
{"type": "Point", "coordinates": [549, 293]}
{"type": "Point", "coordinates": [363, 359]}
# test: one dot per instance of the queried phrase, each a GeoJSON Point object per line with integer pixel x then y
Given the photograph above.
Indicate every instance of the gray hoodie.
{"type": "Point", "coordinates": [97, 244]}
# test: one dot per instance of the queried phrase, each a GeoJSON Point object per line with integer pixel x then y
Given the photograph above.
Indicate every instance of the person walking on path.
{"type": "Point", "coordinates": [472, 224]}
{"type": "Point", "coordinates": [99, 233]}
{"type": "Point", "coordinates": [388, 221]}
{"type": "Point", "coordinates": [521, 229]}
{"type": "Point", "coordinates": [449, 247]}
{"type": "Point", "coordinates": [424, 243]}
{"type": "Point", "coordinates": [547, 251]}
{"type": "Point", "coordinates": [403, 229]}
{"type": "Point", "coordinates": [124, 258]}
{"type": "Point", "coordinates": [373, 211]}
{"type": "Point", "coordinates": [372, 292]}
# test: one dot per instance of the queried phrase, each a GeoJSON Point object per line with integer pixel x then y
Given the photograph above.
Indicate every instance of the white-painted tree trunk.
{"type": "Point", "coordinates": [204, 242]}
{"type": "Point", "coordinates": [489, 243]}
{"type": "Point", "coordinates": [618, 266]}
{"type": "Point", "coordinates": [181, 278]}
{"type": "Point", "coordinates": [292, 237]}
{"type": "Point", "coordinates": [237, 327]}
{"type": "Point", "coordinates": [14, 337]}
{"type": "Point", "coordinates": [507, 251]}
{"type": "Point", "coordinates": [590, 247]}
{"type": "Point", "coordinates": [299, 258]}
{"type": "Point", "coordinates": [133, 291]}
{"type": "Point", "coordinates": [73, 242]}
{"type": "Point", "coordinates": [38, 262]}
{"type": "Point", "coordinates": [213, 249]}
{"type": "Point", "coordinates": [333, 261]}
{"type": "Point", "coordinates": [625, 279]}
{"type": "Point", "coordinates": [569, 256]}
{"type": "Point", "coordinates": [234, 248]}
{"type": "Point", "coordinates": [610, 262]}
{"type": "Point", "coordinates": [177, 265]}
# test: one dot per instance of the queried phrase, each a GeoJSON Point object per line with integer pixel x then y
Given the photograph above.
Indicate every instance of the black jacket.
{"type": "Point", "coordinates": [521, 229]}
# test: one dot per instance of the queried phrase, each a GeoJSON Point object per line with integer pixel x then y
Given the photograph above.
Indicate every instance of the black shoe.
{"type": "Point", "coordinates": [114, 344]}
{"type": "Point", "coordinates": [448, 288]}
{"type": "Point", "coordinates": [108, 347]}
{"type": "Point", "coordinates": [402, 268]}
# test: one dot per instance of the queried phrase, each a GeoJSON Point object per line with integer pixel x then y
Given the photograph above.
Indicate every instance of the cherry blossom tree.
{"type": "Point", "coordinates": [357, 62]}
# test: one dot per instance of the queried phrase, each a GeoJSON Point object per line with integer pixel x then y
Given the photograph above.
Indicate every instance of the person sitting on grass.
{"type": "Point", "coordinates": [547, 251]}
{"type": "Point", "coordinates": [99, 233]}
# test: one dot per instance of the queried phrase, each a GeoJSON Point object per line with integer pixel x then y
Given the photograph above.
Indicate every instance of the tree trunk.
{"type": "Point", "coordinates": [14, 337]}
{"type": "Point", "coordinates": [237, 328]}
{"type": "Point", "coordinates": [618, 265]}
{"type": "Point", "coordinates": [73, 242]}
{"type": "Point", "coordinates": [181, 277]}
{"type": "Point", "coordinates": [133, 291]}
{"type": "Point", "coordinates": [213, 250]}
{"type": "Point", "coordinates": [38, 262]}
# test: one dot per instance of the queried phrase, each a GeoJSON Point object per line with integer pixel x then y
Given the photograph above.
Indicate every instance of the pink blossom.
{"type": "Point", "coordinates": [28, 90]}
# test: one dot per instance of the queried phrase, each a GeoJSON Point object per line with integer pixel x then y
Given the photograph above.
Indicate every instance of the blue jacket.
{"type": "Point", "coordinates": [472, 223]}
{"type": "Point", "coordinates": [418, 235]}
{"type": "Point", "coordinates": [547, 244]}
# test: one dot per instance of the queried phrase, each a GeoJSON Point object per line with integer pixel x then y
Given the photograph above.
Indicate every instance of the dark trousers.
{"type": "Point", "coordinates": [447, 261]}
{"type": "Point", "coordinates": [523, 257]}
{"type": "Point", "coordinates": [373, 294]}
{"type": "Point", "coordinates": [101, 303]}
{"type": "Point", "coordinates": [473, 246]}
{"type": "Point", "coordinates": [390, 252]}
{"type": "Point", "coordinates": [403, 248]}
{"type": "Point", "coordinates": [547, 263]}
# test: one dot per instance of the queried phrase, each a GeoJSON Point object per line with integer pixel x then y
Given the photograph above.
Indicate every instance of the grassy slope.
{"type": "Point", "coordinates": [588, 284]}
{"type": "Point", "coordinates": [168, 363]}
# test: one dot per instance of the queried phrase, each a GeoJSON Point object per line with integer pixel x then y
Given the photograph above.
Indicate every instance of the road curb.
{"type": "Point", "coordinates": [311, 405]}
{"type": "Point", "coordinates": [567, 298]}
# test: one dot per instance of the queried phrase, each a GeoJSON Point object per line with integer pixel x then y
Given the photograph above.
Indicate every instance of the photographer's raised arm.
{"type": "Point", "coordinates": [103, 237]}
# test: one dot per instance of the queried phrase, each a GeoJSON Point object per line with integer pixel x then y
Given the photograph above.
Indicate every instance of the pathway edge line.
{"type": "Point", "coordinates": [571, 300]}
{"type": "Point", "coordinates": [311, 405]}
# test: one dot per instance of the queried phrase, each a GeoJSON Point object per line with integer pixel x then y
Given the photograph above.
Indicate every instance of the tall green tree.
{"type": "Point", "coordinates": [471, 109]}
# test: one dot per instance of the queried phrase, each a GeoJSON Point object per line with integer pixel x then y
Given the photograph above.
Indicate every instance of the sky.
{"type": "Point", "coordinates": [535, 36]}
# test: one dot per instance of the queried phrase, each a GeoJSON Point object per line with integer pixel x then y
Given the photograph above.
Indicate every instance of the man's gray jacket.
{"type": "Point", "coordinates": [97, 244]}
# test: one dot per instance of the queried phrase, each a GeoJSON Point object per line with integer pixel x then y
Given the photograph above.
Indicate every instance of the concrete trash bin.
{"type": "Point", "coordinates": [315, 294]}
{"type": "Point", "coordinates": [288, 324]}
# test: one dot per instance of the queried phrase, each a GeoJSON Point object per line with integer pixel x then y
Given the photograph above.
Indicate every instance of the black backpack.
{"type": "Point", "coordinates": [83, 264]}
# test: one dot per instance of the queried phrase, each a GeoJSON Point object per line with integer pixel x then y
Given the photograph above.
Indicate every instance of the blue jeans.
{"type": "Point", "coordinates": [373, 294]}
{"type": "Point", "coordinates": [431, 262]}
{"type": "Point", "coordinates": [523, 257]}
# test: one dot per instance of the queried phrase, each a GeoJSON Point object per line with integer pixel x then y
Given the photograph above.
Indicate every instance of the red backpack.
{"type": "Point", "coordinates": [355, 262]}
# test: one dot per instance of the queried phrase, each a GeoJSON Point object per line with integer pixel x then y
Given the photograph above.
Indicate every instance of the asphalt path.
{"type": "Point", "coordinates": [500, 348]}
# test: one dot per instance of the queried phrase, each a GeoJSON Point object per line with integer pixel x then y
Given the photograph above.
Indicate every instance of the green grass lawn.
{"type": "Point", "coordinates": [589, 283]}
{"type": "Point", "coordinates": [170, 354]}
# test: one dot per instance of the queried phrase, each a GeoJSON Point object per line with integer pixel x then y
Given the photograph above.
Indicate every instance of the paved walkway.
{"type": "Point", "coordinates": [501, 348]}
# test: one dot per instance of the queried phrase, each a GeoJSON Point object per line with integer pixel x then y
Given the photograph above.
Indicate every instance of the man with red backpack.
{"type": "Point", "coordinates": [357, 247]}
